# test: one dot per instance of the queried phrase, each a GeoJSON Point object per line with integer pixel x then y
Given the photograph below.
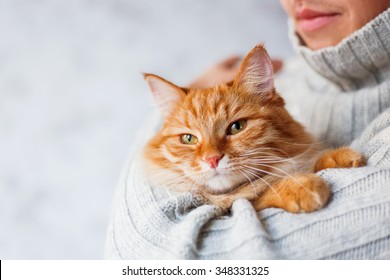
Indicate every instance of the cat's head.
{"type": "Point", "coordinates": [219, 138]}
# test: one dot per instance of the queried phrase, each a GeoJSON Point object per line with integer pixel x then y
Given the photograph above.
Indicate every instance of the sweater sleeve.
{"type": "Point", "coordinates": [150, 223]}
{"type": "Point", "coordinates": [374, 142]}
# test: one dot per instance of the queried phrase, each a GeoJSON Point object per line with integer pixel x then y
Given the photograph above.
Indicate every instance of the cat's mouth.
{"type": "Point", "coordinates": [215, 173]}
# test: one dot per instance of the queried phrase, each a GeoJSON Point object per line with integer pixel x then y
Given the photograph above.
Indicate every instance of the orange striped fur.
{"type": "Point", "coordinates": [271, 161]}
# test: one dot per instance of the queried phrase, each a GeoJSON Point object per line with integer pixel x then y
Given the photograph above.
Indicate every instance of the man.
{"type": "Point", "coordinates": [340, 91]}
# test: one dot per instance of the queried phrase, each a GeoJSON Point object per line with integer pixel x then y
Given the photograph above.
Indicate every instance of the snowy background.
{"type": "Point", "coordinates": [72, 100]}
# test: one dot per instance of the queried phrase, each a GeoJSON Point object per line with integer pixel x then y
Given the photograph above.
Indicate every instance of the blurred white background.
{"type": "Point", "coordinates": [72, 99]}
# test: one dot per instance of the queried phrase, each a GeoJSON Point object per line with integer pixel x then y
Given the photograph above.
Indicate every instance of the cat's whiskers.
{"type": "Point", "coordinates": [259, 156]}
{"type": "Point", "coordinates": [242, 171]}
{"type": "Point", "coordinates": [263, 171]}
{"type": "Point", "coordinates": [286, 159]}
{"type": "Point", "coordinates": [279, 175]}
{"type": "Point", "coordinates": [275, 174]}
{"type": "Point", "coordinates": [258, 153]}
{"type": "Point", "coordinates": [250, 181]}
{"type": "Point", "coordinates": [265, 149]}
{"type": "Point", "coordinates": [286, 173]}
{"type": "Point", "coordinates": [317, 143]}
{"type": "Point", "coordinates": [194, 189]}
{"type": "Point", "coordinates": [235, 166]}
{"type": "Point", "coordinates": [263, 157]}
{"type": "Point", "coordinates": [269, 185]}
{"type": "Point", "coordinates": [267, 160]}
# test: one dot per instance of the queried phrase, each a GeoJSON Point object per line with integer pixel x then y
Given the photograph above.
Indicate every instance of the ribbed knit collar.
{"type": "Point", "coordinates": [360, 60]}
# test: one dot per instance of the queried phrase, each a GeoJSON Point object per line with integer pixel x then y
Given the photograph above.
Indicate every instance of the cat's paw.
{"type": "Point", "coordinates": [340, 158]}
{"type": "Point", "coordinates": [306, 193]}
{"type": "Point", "coordinates": [301, 193]}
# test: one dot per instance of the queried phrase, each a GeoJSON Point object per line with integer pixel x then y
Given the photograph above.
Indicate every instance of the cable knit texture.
{"type": "Point", "coordinates": [347, 104]}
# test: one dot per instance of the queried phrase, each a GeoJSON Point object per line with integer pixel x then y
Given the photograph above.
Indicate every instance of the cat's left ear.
{"type": "Point", "coordinates": [166, 94]}
{"type": "Point", "coordinates": [256, 75]}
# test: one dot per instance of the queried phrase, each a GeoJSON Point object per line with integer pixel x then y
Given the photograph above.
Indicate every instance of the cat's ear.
{"type": "Point", "coordinates": [256, 74]}
{"type": "Point", "coordinates": [165, 93]}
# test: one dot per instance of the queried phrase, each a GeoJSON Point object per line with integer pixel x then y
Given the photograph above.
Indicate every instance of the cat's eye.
{"type": "Point", "coordinates": [188, 139]}
{"type": "Point", "coordinates": [236, 127]}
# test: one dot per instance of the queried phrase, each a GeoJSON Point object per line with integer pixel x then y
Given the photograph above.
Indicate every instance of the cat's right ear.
{"type": "Point", "coordinates": [256, 76]}
{"type": "Point", "coordinates": [165, 93]}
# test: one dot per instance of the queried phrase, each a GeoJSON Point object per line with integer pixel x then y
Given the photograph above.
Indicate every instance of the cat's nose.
{"type": "Point", "coordinates": [213, 161]}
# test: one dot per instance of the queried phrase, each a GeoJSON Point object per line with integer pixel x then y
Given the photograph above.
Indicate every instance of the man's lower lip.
{"type": "Point", "coordinates": [312, 24]}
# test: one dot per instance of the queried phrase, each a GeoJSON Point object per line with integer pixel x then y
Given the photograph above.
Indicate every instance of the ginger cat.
{"type": "Point", "coordinates": [237, 140]}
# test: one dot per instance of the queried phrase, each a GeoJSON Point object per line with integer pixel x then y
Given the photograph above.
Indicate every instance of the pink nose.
{"type": "Point", "coordinates": [213, 161]}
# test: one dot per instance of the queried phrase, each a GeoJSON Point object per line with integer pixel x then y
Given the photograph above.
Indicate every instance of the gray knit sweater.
{"type": "Point", "coordinates": [348, 104]}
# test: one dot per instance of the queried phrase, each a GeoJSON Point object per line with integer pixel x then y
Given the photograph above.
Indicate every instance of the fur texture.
{"type": "Point", "coordinates": [236, 141]}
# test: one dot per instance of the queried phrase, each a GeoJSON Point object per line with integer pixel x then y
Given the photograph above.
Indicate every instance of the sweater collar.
{"type": "Point", "coordinates": [360, 60]}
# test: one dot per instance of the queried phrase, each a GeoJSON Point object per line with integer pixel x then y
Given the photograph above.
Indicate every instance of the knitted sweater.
{"type": "Point", "coordinates": [348, 104]}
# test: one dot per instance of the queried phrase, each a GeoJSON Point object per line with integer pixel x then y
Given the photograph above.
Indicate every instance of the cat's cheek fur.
{"type": "Point", "coordinates": [168, 155]}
